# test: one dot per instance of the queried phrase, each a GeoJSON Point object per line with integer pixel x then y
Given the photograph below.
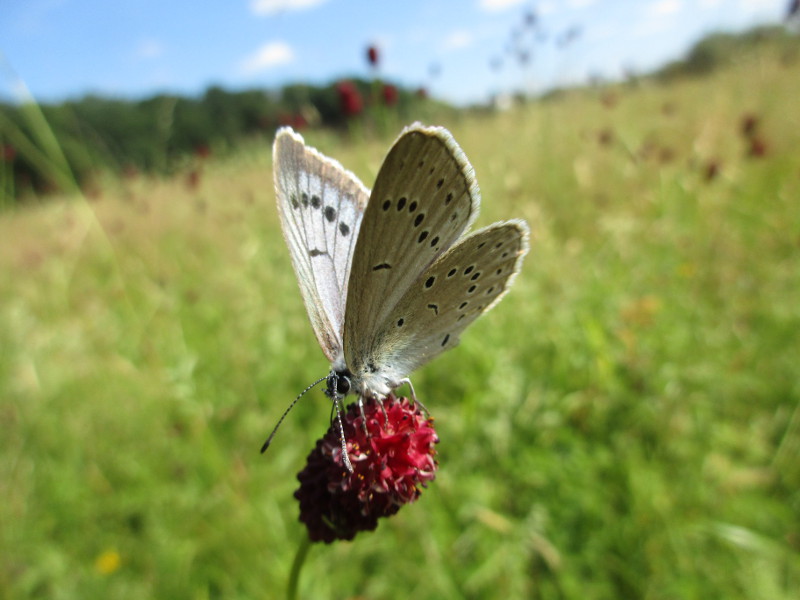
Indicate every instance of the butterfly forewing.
{"type": "Point", "coordinates": [425, 197]}
{"type": "Point", "coordinates": [321, 206]}
{"type": "Point", "coordinates": [459, 287]}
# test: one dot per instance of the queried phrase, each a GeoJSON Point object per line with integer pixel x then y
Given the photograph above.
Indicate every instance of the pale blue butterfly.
{"type": "Point", "coordinates": [389, 278]}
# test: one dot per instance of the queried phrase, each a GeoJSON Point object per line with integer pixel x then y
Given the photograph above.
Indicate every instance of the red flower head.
{"type": "Point", "coordinates": [390, 462]}
{"type": "Point", "coordinates": [390, 94]}
{"type": "Point", "coordinates": [749, 125]}
{"type": "Point", "coordinates": [758, 147]}
{"type": "Point", "coordinates": [7, 153]}
{"type": "Point", "coordinates": [711, 170]}
{"type": "Point", "coordinates": [349, 98]}
{"type": "Point", "coordinates": [372, 56]}
{"type": "Point", "coordinates": [202, 151]}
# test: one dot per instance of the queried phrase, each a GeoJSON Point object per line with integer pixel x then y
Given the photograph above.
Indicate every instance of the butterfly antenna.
{"type": "Point", "coordinates": [286, 412]}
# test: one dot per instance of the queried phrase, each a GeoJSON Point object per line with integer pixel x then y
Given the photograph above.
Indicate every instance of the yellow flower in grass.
{"type": "Point", "coordinates": [107, 562]}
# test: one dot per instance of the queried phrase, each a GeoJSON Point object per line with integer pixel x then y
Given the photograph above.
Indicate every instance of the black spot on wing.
{"type": "Point", "coordinates": [344, 229]}
{"type": "Point", "coordinates": [330, 213]}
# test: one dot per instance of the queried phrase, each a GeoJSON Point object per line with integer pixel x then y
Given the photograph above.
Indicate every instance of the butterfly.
{"type": "Point", "coordinates": [389, 278]}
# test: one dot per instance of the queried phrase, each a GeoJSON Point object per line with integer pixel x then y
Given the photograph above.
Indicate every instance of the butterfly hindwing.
{"type": "Point", "coordinates": [459, 287]}
{"type": "Point", "coordinates": [321, 206]}
{"type": "Point", "coordinates": [425, 197]}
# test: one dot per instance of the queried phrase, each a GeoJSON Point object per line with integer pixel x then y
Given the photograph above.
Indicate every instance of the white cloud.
{"type": "Point", "coordinates": [498, 5]}
{"type": "Point", "coordinates": [580, 3]}
{"type": "Point", "coordinates": [272, 54]}
{"type": "Point", "coordinates": [149, 49]}
{"type": "Point", "coordinates": [265, 8]}
{"type": "Point", "coordinates": [665, 7]}
{"type": "Point", "coordinates": [458, 40]}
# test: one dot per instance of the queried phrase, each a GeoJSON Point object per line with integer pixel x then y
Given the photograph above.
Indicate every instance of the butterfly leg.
{"type": "Point", "coordinates": [413, 394]}
{"type": "Point", "coordinates": [345, 456]}
{"type": "Point", "coordinates": [377, 399]}
{"type": "Point", "coordinates": [363, 416]}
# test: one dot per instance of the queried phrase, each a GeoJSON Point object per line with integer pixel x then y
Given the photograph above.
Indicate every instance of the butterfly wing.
{"type": "Point", "coordinates": [460, 286]}
{"type": "Point", "coordinates": [425, 197]}
{"type": "Point", "coordinates": [321, 206]}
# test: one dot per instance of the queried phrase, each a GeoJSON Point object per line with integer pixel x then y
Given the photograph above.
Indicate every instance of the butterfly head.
{"type": "Point", "coordinates": [340, 383]}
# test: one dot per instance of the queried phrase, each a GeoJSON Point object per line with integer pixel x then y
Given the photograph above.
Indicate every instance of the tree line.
{"type": "Point", "coordinates": [49, 147]}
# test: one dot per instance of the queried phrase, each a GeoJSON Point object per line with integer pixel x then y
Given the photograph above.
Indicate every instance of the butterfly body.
{"type": "Point", "coordinates": [388, 277]}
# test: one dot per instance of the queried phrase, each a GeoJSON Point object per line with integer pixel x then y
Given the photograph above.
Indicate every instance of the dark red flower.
{"type": "Point", "coordinates": [7, 153]}
{"type": "Point", "coordinates": [193, 179]}
{"type": "Point", "coordinates": [390, 464]}
{"type": "Point", "coordinates": [390, 94]}
{"type": "Point", "coordinates": [373, 56]}
{"type": "Point", "coordinates": [758, 147]}
{"type": "Point", "coordinates": [202, 151]}
{"type": "Point", "coordinates": [349, 98]}
{"type": "Point", "coordinates": [295, 120]}
{"type": "Point", "coordinates": [605, 136]}
{"type": "Point", "coordinates": [711, 170]}
{"type": "Point", "coordinates": [749, 125]}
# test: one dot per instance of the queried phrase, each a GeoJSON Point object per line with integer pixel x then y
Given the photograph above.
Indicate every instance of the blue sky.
{"type": "Point", "coordinates": [131, 48]}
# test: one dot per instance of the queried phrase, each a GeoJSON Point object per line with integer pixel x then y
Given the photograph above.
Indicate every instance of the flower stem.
{"type": "Point", "coordinates": [297, 565]}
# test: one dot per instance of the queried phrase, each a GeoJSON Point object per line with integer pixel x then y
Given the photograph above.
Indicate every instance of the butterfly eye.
{"type": "Point", "coordinates": [342, 384]}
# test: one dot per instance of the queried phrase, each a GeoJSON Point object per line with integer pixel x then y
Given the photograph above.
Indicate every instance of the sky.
{"type": "Point", "coordinates": [461, 51]}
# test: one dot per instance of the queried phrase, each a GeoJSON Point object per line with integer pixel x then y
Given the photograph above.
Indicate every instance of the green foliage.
{"type": "Point", "coordinates": [722, 49]}
{"type": "Point", "coordinates": [625, 424]}
{"type": "Point", "coordinates": [160, 134]}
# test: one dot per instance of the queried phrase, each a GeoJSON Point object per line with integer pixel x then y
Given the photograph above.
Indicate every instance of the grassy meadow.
{"type": "Point", "coordinates": [624, 424]}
